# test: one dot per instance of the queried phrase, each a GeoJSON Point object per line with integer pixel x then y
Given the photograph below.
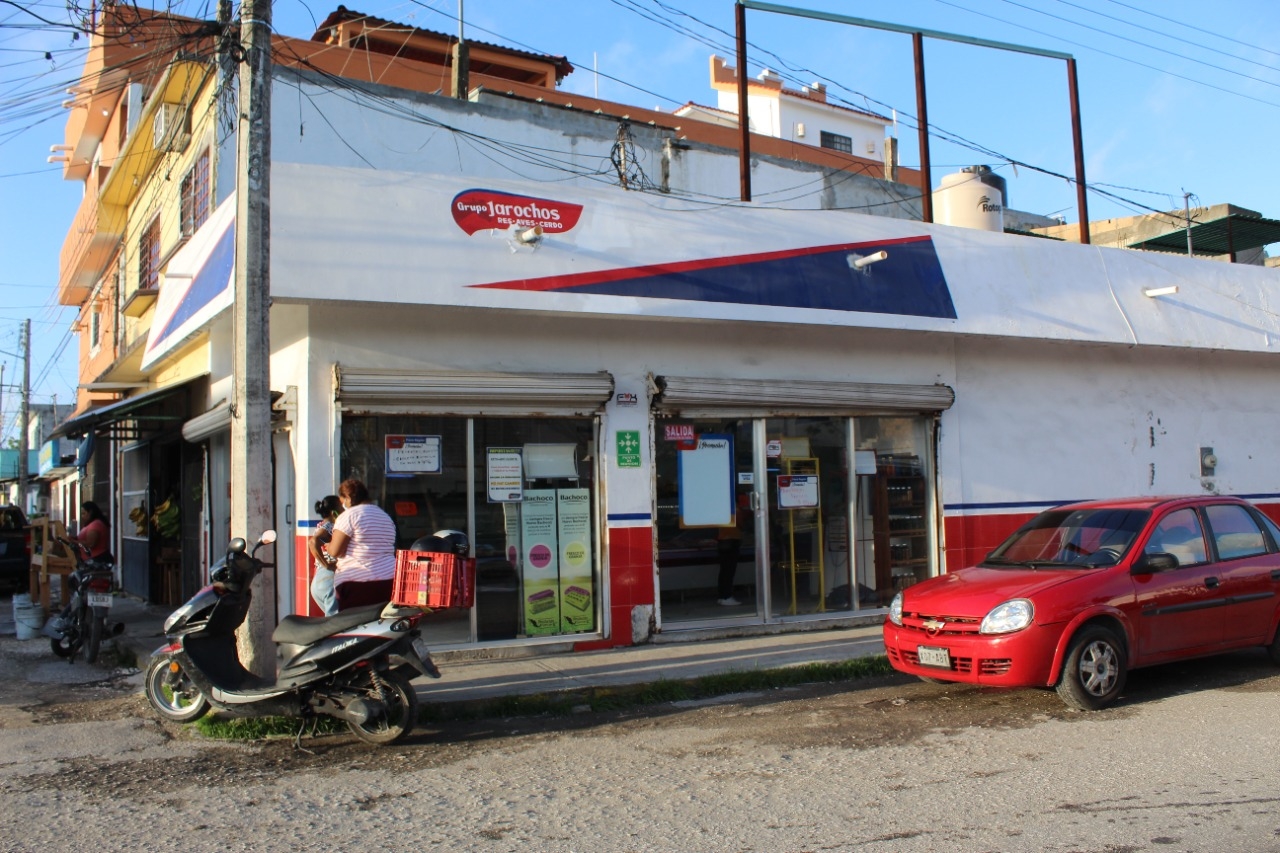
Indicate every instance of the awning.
{"type": "Point", "coordinates": [1223, 235]}
{"type": "Point", "coordinates": [390, 391]}
{"type": "Point", "coordinates": [712, 396]}
{"type": "Point", "coordinates": [128, 418]}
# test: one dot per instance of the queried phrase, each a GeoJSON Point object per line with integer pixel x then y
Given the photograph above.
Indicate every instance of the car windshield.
{"type": "Point", "coordinates": [1084, 538]}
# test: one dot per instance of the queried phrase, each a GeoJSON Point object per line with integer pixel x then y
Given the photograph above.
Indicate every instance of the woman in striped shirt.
{"type": "Point", "coordinates": [364, 541]}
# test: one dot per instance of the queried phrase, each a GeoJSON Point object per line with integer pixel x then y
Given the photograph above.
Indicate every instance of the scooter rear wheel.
{"type": "Point", "coordinates": [94, 643]}
{"type": "Point", "coordinates": [174, 696]}
{"type": "Point", "coordinates": [400, 714]}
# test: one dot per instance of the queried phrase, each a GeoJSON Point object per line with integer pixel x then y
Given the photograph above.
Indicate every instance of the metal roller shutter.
{"type": "Point", "coordinates": [202, 426]}
{"type": "Point", "coordinates": [688, 395]}
{"type": "Point", "coordinates": [361, 389]}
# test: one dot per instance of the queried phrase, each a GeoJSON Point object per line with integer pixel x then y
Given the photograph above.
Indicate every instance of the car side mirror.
{"type": "Point", "coordinates": [1158, 561]}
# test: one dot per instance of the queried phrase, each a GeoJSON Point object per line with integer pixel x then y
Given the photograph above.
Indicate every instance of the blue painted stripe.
{"type": "Point", "coordinates": [910, 281]}
{"type": "Point", "coordinates": [629, 516]}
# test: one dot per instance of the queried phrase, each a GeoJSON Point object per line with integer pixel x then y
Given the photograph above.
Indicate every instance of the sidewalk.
{"type": "Point", "coordinates": [467, 679]}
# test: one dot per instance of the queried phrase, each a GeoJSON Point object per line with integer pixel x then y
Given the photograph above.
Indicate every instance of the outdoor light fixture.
{"type": "Point", "coordinates": [1153, 292]}
{"type": "Point", "coordinates": [524, 238]}
{"type": "Point", "coordinates": [861, 262]}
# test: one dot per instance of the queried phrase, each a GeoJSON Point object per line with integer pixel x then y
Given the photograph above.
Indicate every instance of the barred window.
{"type": "Point", "coordinates": [195, 195]}
{"type": "Point", "coordinates": [149, 257]}
{"type": "Point", "coordinates": [836, 142]}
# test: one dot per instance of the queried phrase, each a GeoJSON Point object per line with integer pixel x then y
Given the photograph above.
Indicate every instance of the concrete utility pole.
{"type": "Point", "coordinates": [25, 420]}
{"type": "Point", "coordinates": [251, 493]}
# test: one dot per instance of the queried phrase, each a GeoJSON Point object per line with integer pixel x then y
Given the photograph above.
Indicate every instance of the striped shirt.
{"type": "Point", "coordinates": [371, 547]}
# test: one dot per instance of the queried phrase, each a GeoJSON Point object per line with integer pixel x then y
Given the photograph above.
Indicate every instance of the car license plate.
{"type": "Point", "coordinates": [99, 599]}
{"type": "Point", "coordinates": [930, 656]}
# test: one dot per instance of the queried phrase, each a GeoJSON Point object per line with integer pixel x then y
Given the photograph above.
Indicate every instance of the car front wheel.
{"type": "Point", "coordinates": [1094, 672]}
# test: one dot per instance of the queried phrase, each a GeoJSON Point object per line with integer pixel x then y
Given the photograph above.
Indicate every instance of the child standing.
{"type": "Point", "coordinates": [328, 508]}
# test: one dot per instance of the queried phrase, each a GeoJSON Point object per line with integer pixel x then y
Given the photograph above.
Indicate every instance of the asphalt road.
{"type": "Point", "coordinates": [1186, 762]}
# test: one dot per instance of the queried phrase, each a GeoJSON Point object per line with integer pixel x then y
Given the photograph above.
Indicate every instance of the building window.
{"type": "Point", "coordinates": [95, 329]}
{"type": "Point", "coordinates": [149, 257]}
{"type": "Point", "coordinates": [195, 195]}
{"type": "Point", "coordinates": [836, 142]}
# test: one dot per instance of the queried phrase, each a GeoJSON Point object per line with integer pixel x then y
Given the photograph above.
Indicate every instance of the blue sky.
{"type": "Point", "coordinates": [1176, 96]}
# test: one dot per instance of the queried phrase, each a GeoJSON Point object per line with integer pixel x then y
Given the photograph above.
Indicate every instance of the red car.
{"type": "Point", "coordinates": [1083, 593]}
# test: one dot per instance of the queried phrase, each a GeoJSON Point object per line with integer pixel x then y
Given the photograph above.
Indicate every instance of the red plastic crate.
{"type": "Point", "coordinates": [431, 579]}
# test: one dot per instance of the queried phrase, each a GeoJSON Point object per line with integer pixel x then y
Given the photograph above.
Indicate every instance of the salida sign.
{"type": "Point", "coordinates": [484, 210]}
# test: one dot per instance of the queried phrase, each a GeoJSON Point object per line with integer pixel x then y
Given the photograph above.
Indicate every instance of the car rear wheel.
{"type": "Point", "coordinates": [1273, 650]}
{"type": "Point", "coordinates": [1094, 672]}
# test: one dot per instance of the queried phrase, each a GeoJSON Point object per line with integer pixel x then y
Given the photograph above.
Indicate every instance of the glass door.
{"type": "Point", "coordinates": [706, 531]}
{"type": "Point", "coordinates": [809, 508]}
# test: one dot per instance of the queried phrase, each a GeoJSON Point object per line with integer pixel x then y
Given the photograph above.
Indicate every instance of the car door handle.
{"type": "Point", "coordinates": [1275, 574]}
{"type": "Point", "coordinates": [1211, 583]}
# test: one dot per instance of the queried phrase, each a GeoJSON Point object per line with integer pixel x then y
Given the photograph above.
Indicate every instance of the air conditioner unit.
{"type": "Point", "coordinates": [166, 127]}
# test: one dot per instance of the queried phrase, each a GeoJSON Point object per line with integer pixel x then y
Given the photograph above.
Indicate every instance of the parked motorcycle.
{"type": "Point", "coordinates": [354, 666]}
{"type": "Point", "coordinates": [83, 622]}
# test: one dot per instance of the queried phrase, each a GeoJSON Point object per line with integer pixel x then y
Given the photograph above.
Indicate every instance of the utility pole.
{"type": "Point", "coordinates": [25, 420]}
{"type": "Point", "coordinates": [251, 475]}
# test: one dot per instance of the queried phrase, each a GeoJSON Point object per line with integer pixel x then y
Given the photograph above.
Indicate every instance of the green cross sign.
{"type": "Point", "coordinates": [628, 444]}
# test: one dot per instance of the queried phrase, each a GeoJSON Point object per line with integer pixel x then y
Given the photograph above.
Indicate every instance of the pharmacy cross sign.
{"type": "Point", "coordinates": [628, 444]}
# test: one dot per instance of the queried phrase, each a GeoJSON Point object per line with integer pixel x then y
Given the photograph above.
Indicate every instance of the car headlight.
{"type": "Point", "coordinates": [1008, 617]}
{"type": "Point", "coordinates": [895, 609]}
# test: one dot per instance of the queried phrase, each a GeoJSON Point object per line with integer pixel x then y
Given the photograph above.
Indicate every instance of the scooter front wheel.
{"type": "Point", "coordinates": [399, 711]}
{"type": "Point", "coordinates": [172, 693]}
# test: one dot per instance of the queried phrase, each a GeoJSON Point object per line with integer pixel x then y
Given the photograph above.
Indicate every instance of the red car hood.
{"type": "Point", "coordinates": [973, 592]}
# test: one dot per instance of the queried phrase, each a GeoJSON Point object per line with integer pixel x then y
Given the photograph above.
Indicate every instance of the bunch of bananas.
{"type": "Point", "coordinates": [166, 519]}
{"type": "Point", "coordinates": [138, 515]}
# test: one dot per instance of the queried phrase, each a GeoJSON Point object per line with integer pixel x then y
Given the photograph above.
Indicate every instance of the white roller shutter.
{"type": "Point", "coordinates": [692, 396]}
{"type": "Point", "coordinates": [213, 421]}
{"type": "Point", "coordinates": [369, 389]}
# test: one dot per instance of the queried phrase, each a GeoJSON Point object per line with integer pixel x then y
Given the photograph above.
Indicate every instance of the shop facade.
{"type": "Point", "coordinates": [639, 407]}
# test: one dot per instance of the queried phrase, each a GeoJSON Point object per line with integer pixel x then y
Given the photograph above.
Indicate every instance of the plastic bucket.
{"type": "Point", "coordinates": [29, 619]}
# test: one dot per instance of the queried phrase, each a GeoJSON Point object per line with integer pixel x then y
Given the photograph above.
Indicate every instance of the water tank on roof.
{"type": "Point", "coordinates": [974, 197]}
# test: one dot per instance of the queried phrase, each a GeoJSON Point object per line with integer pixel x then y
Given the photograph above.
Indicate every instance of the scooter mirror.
{"type": "Point", "coordinates": [267, 537]}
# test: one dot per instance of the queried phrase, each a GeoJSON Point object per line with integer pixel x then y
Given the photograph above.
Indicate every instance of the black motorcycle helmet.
{"type": "Point", "coordinates": [444, 542]}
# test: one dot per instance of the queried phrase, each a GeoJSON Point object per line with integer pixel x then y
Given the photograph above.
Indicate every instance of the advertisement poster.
{"type": "Point", "coordinates": [413, 454]}
{"type": "Point", "coordinates": [705, 481]}
{"type": "Point", "coordinates": [540, 562]}
{"type": "Point", "coordinates": [797, 491]}
{"type": "Point", "coordinates": [504, 474]}
{"type": "Point", "coordinates": [573, 524]}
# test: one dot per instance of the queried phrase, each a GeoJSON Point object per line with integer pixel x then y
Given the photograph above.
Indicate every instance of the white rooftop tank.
{"type": "Point", "coordinates": [971, 198]}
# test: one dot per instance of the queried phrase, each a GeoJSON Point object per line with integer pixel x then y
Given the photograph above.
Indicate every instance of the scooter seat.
{"type": "Point", "coordinates": [304, 630]}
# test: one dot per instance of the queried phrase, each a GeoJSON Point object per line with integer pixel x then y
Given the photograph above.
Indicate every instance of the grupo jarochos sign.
{"type": "Point", "coordinates": [483, 210]}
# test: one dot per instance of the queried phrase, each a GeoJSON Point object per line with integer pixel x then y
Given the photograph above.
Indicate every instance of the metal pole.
{"type": "Point", "coordinates": [251, 493]}
{"type": "Point", "coordinates": [1077, 139]}
{"type": "Point", "coordinates": [744, 121]}
{"type": "Point", "coordinates": [1186, 211]}
{"type": "Point", "coordinates": [922, 113]}
{"type": "Point", "coordinates": [23, 446]}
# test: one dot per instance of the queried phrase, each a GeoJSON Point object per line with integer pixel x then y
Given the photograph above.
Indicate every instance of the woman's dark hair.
{"type": "Point", "coordinates": [328, 505]}
{"type": "Point", "coordinates": [354, 490]}
{"type": "Point", "coordinates": [92, 510]}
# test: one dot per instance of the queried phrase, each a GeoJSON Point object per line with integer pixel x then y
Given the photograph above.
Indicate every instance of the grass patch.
{"type": "Point", "coordinates": [597, 699]}
{"type": "Point", "coordinates": [219, 727]}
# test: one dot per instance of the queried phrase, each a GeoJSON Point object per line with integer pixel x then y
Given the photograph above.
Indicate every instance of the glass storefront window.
{"type": "Point", "coordinates": [896, 530]}
{"type": "Point", "coordinates": [526, 497]}
{"type": "Point", "coordinates": [815, 479]}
